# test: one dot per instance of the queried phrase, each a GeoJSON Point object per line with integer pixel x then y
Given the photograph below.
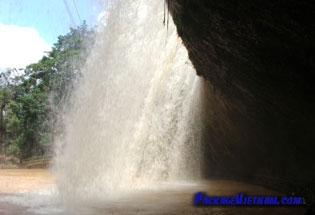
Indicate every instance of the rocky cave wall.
{"type": "Point", "coordinates": [258, 60]}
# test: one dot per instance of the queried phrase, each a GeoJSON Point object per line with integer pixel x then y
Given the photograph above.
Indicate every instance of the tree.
{"type": "Point", "coordinates": [49, 81]}
{"type": "Point", "coordinates": [4, 101]}
{"type": "Point", "coordinates": [30, 102]}
{"type": "Point", "coordinates": [12, 129]}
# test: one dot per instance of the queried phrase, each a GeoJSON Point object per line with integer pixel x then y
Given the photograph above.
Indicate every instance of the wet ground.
{"type": "Point", "coordinates": [32, 191]}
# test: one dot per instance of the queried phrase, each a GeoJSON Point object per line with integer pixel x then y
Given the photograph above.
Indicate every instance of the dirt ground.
{"type": "Point", "coordinates": [14, 180]}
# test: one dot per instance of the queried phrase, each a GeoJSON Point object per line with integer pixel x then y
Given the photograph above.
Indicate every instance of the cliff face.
{"type": "Point", "coordinates": [258, 59]}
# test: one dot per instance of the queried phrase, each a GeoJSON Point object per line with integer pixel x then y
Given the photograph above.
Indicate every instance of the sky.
{"type": "Point", "coordinates": [29, 28]}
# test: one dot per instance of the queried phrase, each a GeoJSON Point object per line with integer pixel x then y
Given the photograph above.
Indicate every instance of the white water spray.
{"type": "Point", "coordinates": [135, 119]}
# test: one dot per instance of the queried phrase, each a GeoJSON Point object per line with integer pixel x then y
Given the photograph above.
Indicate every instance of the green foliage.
{"type": "Point", "coordinates": [12, 123]}
{"type": "Point", "coordinates": [29, 104]}
{"type": "Point", "coordinates": [4, 100]}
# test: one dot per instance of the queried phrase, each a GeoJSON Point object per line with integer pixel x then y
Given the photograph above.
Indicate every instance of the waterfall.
{"type": "Point", "coordinates": [134, 121]}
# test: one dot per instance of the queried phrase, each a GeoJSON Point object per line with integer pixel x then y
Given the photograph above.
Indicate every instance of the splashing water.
{"type": "Point", "coordinates": [134, 122]}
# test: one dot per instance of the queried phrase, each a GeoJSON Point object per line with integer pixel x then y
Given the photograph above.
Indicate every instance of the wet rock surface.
{"type": "Point", "coordinates": [257, 58]}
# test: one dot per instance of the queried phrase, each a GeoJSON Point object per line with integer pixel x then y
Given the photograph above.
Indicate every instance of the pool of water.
{"type": "Point", "coordinates": [32, 191]}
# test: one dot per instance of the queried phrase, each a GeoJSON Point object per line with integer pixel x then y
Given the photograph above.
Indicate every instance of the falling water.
{"type": "Point", "coordinates": [131, 143]}
{"type": "Point", "coordinates": [134, 121]}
